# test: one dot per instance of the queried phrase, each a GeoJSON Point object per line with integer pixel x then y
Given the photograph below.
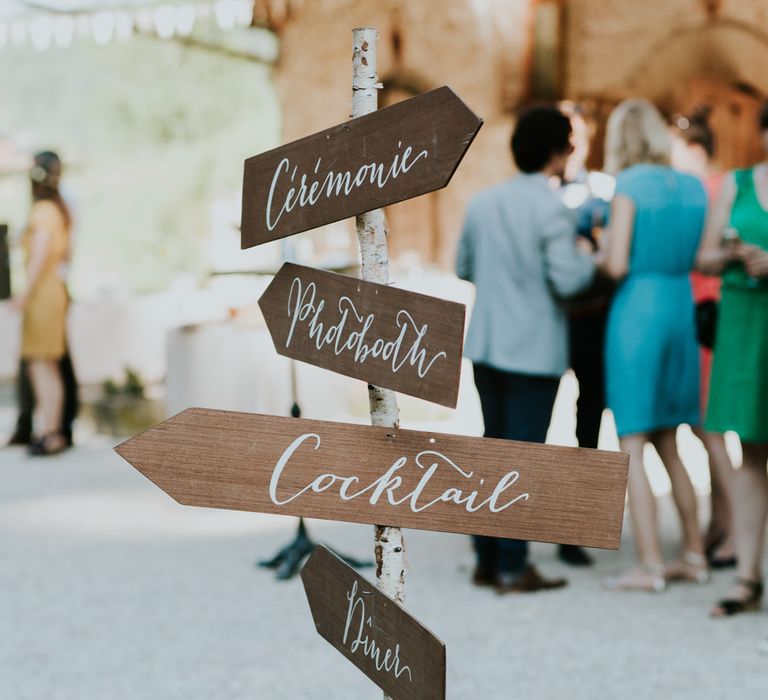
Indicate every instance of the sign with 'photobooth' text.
{"type": "Point", "coordinates": [382, 335]}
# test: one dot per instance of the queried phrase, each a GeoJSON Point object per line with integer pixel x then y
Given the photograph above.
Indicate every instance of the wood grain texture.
{"type": "Point", "coordinates": [396, 153]}
{"type": "Point", "coordinates": [389, 337]}
{"type": "Point", "coordinates": [407, 478]}
{"type": "Point", "coordinates": [389, 646]}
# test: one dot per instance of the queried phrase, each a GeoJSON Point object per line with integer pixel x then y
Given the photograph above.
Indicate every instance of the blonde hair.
{"type": "Point", "coordinates": [636, 133]}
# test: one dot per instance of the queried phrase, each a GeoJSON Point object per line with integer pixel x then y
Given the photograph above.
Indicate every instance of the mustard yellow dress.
{"type": "Point", "coordinates": [45, 311]}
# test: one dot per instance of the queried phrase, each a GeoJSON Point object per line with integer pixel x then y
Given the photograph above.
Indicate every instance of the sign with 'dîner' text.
{"type": "Point", "coordinates": [367, 474]}
{"type": "Point", "coordinates": [395, 153]}
{"type": "Point", "coordinates": [385, 336]}
{"type": "Point", "coordinates": [389, 646]}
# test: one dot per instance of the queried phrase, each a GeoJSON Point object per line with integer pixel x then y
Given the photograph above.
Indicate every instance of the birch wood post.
{"type": "Point", "coordinates": [372, 238]}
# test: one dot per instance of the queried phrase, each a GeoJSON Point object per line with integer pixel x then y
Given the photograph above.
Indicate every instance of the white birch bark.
{"type": "Point", "coordinates": [372, 237]}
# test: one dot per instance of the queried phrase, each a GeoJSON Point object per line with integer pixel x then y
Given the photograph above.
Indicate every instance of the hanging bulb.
{"type": "Point", "coordinates": [243, 13]}
{"type": "Point", "coordinates": [83, 27]}
{"type": "Point", "coordinates": [63, 31]}
{"type": "Point", "coordinates": [41, 32]}
{"type": "Point", "coordinates": [103, 27]}
{"type": "Point", "coordinates": [226, 16]}
{"type": "Point", "coordinates": [185, 19]}
{"type": "Point", "coordinates": [164, 20]}
{"type": "Point", "coordinates": [144, 21]}
{"type": "Point", "coordinates": [123, 26]}
{"type": "Point", "coordinates": [18, 33]}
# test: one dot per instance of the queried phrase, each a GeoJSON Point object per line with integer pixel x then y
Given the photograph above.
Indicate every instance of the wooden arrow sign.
{"type": "Point", "coordinates": [367, 474]}
{"type": "Point", "coordinates": [385, 336]}
{"type": "Point", "coordinates": [389, 646]}
{"type": "Point", "coordinates": [396, 153]}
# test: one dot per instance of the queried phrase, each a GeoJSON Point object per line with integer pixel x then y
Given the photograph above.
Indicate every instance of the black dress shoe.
{"type": "Point", "coordinates": [529, 580]}
{"type": "Point", "coordinates": [19, 439]}
{"type": "Point", "coordinates": [483, 577]}
{"type": "Point", "coordinates": [573, 555]}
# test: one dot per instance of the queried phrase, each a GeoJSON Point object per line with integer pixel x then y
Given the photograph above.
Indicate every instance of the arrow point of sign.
{"type": "Point", "coordinates": [153, 452]}
{"type": "Point", "coordinates": [463, 120]}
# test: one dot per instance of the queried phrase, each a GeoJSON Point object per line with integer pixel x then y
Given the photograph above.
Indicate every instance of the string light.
{"type": "Point", "coordinates": [164, 20]}
{"type": "Point", "coordinates": [44, 30]}
{"type": "Point", "coordinates": [185, 19]}
{"type": "Point", "coordinates": [103, 27]}
{"type": "Point", "coordinates": [18, 33]}
{"type": "Point", "coordinates": [41, 32]}
{"type": "Point", "coordinates": [63, 31]}
{"type": "Point", "coordinates": [123, 26]}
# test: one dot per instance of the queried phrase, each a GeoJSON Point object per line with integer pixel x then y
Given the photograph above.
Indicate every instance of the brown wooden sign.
{"type": "Point", "coordinates": [389, 646]}
{"type": "Point", "coordinates": [366, 474]}
{"type": "Point", "coordinates": [385, 336]}
{"type": "Point", "coordinates": [396, 153]}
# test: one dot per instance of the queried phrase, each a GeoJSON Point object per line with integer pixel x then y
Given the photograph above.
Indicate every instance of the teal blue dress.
{"type": "Point", "coordinates": [652, 357]}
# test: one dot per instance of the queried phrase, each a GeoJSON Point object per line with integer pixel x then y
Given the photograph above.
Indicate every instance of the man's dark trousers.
{"type": "Point", "coordinates": [515, 407]}
{"type": "Point", "coordinates": [587, 342]}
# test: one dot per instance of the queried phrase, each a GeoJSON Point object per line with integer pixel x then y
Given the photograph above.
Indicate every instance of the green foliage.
{"type": "Point", "coordinates": [152, 133]}
{"type": "Point", "coordinates": [132, 386]}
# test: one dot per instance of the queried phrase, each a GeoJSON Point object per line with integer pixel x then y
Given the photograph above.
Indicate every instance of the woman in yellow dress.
{"type": "Point", "coordinates": [44, 301]}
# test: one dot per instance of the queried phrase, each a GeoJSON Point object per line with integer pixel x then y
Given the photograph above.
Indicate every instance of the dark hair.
{"type": "Point", "coordinates": [764, 116]}
{"type": "Point", "coordinates": [540, 133]}
{"type": "Point", "coordinates": [45, 176]}
{"type": "Point", "coordinates": [694, 129]}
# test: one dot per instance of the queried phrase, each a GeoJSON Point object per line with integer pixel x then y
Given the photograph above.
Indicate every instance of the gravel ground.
{"type": "Point", "coordinates": [111, 591]}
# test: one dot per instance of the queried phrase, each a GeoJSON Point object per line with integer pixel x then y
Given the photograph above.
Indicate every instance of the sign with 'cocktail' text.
{"type": "Point", "coordinates": [396, 153]}
{"type": "Point", "coordinates": [382, 335]}
{"type": "Point", "coordinates": [367, 474]}
{"type": "Point", "coordinates": [389, 646]}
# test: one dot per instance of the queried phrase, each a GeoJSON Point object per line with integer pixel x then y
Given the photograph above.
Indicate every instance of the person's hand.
{"type": "Point", "coordinates": [755, 261]}
{"type": "Point", "coordinates": [585, 245]}
{"type": "Point", "coordinates": [18, 302]}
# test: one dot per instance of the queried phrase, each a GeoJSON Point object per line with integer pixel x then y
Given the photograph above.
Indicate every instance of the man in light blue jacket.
{"type": "Point", "coordinates": [518, 247]}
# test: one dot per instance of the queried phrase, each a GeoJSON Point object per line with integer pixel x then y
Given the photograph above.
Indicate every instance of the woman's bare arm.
{"type": "Point", "coordinates": [614, 258]}
{"type": "Point", "coordinates": [38, 254]}
{"type": "Point", "coordinates": [712, 256]}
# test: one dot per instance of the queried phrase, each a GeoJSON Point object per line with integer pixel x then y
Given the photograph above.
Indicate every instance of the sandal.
{"type": "Point", "coordinates": [692, 567]}
{"type": "Point", "coordinates": [649, 578]}
{"type": "Point", "coordinates": [728, 607]}
{"type": "Point", "coordinates": [50, 444]}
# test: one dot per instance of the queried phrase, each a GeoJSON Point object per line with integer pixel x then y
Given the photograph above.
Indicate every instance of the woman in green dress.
{"type": "Point", "coordinates": [736, 245]}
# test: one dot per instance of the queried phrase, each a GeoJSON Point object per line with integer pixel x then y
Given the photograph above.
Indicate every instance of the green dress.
{"type": "Point", "coordinates": [738, 398]}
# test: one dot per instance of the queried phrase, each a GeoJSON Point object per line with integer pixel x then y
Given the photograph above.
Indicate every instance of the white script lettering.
{"type": "Point", "coordinates": [362, 641]}
{"type": "Point", "coordinates": [349, 329]}
{"type": "Point", "coordinates": [391, 482]}
{"type": "Point", "coordinates": [308, 189]}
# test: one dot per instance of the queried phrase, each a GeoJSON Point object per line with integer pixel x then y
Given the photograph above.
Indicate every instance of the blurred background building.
{"type": "Point", "coordinates": [500, 54]}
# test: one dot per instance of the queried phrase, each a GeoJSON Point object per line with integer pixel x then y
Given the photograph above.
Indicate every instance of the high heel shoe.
{"type": "Point", "coordinates": [728, 607]}
{"type": "Point", "coordinates": [50, 444]}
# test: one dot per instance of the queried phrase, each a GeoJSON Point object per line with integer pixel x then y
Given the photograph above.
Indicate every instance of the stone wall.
{"type": "Point", "coordinates": [677, 53]}
{"type": "Point", "coordinates": [477, 48]}
{"type": "Point", "coordinates": [616, 48]}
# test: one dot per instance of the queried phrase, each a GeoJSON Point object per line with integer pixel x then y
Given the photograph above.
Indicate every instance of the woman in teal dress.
{"type": "Point", "coordinates": [738, 399]}
{"type": "Point", "coordinates": [652, 357]}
